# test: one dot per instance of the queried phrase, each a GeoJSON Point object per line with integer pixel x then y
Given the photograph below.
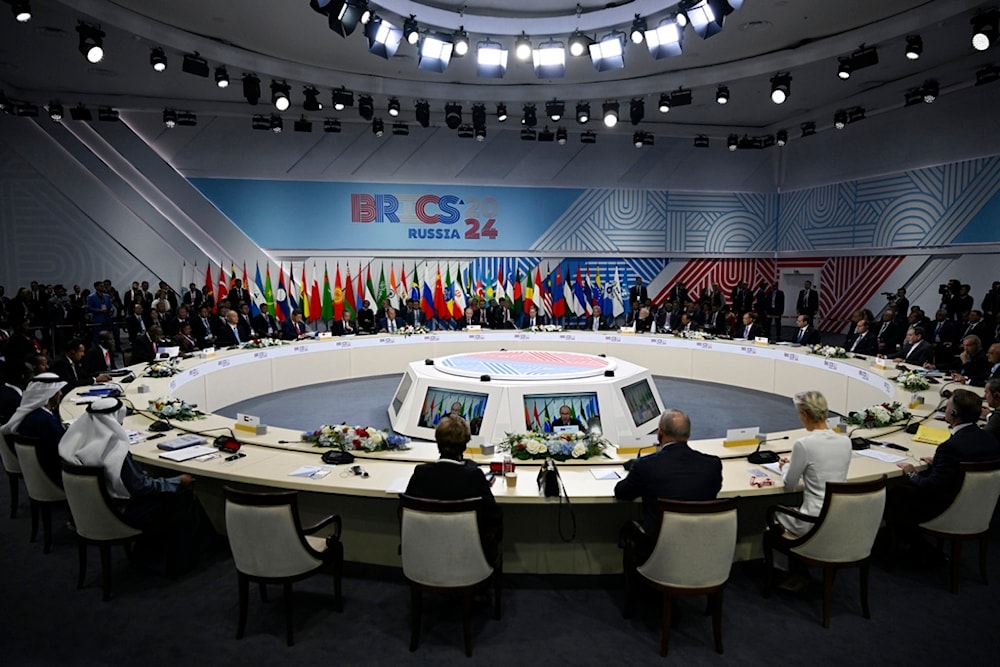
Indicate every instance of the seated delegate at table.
{"type": "Point", "coordinates": [344, 326]}
{"type": "Point", "coordinates": [35, 418]}
{"type": "Point", "coordinates": [70, 370]}
{"type": "Point", "coordinates": [175, 528]}
{"type": "Point", "coordinates": [294, 328]}
{"type": "Point", "coordinates": [531, 319]}
{"type": "Point", "coordinates": [916, 350]}
{"type": "Point", "coordinates": [805, 332]}
{"type": "Point", "coordinates": [596, 322]}
{"type": "Point", "coordinates": [566, 418]}
{"type": "Point", "coordinates": [391, 323]}
{"type": "Point", "coordinates": [864, 341]}
{"type": "Point", "coordinates": [993, 401]}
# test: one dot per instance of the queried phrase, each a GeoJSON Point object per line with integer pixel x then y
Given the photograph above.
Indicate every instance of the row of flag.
{"type": "Point", "coordinates": [557, 294]}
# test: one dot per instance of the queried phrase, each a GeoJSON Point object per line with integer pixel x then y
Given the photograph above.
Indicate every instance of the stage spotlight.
{"type": "Point", "coordinates": [664, 105]}
{"type": "Point", "coordinates": [55, 111]}
{"type": "Point", "coordinates": [860, 59]}
{"type": "Point", "coordinates": [21, 10]}
{"type": "Point", "coordinates": [158, 59]}
{"type": "Point", "coordinates": [555, 109]}
{"type": "Point", "coordinates": [400, 129]}
{"type": "Point", "coordinates": [378, 127]}
{"type": "Point", "coordinates": [701, 141]}
{"type": "Point", "coordinates": [366, 107]}
{"type": "Point", "coordinates": [706, 17]}
{"type": "Point", "coordinates": [452, 115]}
{"type": "Point", "coordinates": [501, 112]}
{"type": "Point", "coordinates": [491, 59]}
{"type": "Point", "coordinates": [344, 15]}
{"type": "Point", "coordinates": [528, 134]}
{"type": "Point", "coordinates": [985, 29]}
{"type": "Point", "coordinates": [579, 44]}
{"type": "Point", "coordinates": [913, 97]}
{"type": "Point", "coordinates": [844, 69]}
{"type": "Point", "coordinates": [279, 95]}
{"type": "Point", "coordinates": [187, 119]}
{"type": "Point", "coordinates": [393, 107]}
{"type": "Point", "coordinates": [914, 47]}
{"type": "Point", "coordinates": [435, 53]}
{"type": "Point", "coordinates": [638, 28]}
{"type": "Point", "coordinates": [781, 87]}
{"type": "Point", "coordinates": [610, 108]}
{"type": "Point", "coordinates": [561, 136]}
{"type": "Point", "coordinates": [583, 112]}
{"type": "Point", "coordinates": [930, 91]}
{"type": "Point", "coordinates": [251, 88]}
{"type": "Point", "coordinates": [91, 42]}
{"type": "Point", "coordinates": [221, 77]}
{"type": "Point", "coordinates": [465, 132]}
{"type": "Point", "coordinates": [588, 137]}
{"type": "Point", "coordinates": [411, 31]}
{"type": "Point", "coordinates": [107, 114]}
{"type": "Point", "coordinates": [529, 117]}
{"type": "Point", "coordinates": [636, 111]}
{"type": "Point", "coordinates": [665, 39]}
{"type": "Point", "coordinates": [331, 125]}
{"type": "Point", "coordinates": [460, 41]}
{"type": "Point", "coordinates": [609, 53]}
{"type": "Point", "coordinates": [170, 118]}
{"type": "Point", "coordinates": [480, 133]}
{"type": "Point", "coordinates": [261, 122]}
{"type": "Point", "coordinates": [80, 112]}
{"type": "Point", "coordinates": [311, 102]}
{"type": "Point", "coordinates": [342, 98]}
{"type": "Point", "coordinates": [549, 60]}
{"type": "Point", "coordinates": [808, 129]}
{"type": "Point", "coordinates": [195, 64]}
{"type": "Point", "coordinates": [546, 135]}
{"type": "Point", "coordinates": [733, 142]}
{"type": "Point", "coordinates": [277, 124]}
{"type": "Point", "coordinates": [479, 116]}
{"type": "Point", "coordinates": [854, 114]}
{"type": "Point", "coordinates": [640, 139]}
{"type": "Point", "coordinates": [988, 74]}
{"type": "Point", "coordinates": [840, 119]}
{"type": "Point", "coordinates": [383, 38]}
{"type": "Point", "coordinates": [422, 111]}
{"type": "Point", "coordinates": [522, 47]}
{"type": "Point", "coordinates": [781, 137]}
{"type": "Point", "coordinates": [722, 95]}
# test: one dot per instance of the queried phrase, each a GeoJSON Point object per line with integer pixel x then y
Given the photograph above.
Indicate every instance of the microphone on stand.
{"type": "Point", "coordinates": [759, 455]}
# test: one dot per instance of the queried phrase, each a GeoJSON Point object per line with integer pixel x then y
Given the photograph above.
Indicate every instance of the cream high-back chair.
{"type": "Point", "coordinates": [42, 491]}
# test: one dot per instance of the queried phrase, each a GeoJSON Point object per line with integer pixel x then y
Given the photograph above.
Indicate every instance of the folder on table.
{"type": "Point", "coordinates": [931, 435]}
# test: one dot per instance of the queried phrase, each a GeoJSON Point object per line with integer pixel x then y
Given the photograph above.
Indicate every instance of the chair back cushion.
{"type": "Point", "coordinates": [972, 509]}
{"type": "Point", "coordinates": [89, 504]}
{"type": "Point", "coordinates": [442, 548]}
{"type": "Point", "coordinates": [695, 548]}
{"type": "Point", "coordinates": [265, 539]}
{"type": "Point", "coordinates": [10, 463]}
{"type": "Point", "coordinates": [847, 524]}
{"type": "Point", "coordinates": [40, 487]}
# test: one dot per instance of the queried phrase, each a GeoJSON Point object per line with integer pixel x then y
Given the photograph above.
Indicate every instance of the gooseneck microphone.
{"type": "Point", "coordinates": [759, 455]}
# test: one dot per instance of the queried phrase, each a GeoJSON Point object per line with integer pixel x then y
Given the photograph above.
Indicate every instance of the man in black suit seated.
{"type": "Point", "coordinates": [414, 316]}
{"type": "Point", "coordinates": [750, 329]}
{"type": "Point", "coordinates": [566, 418]}
{"type": "Point", "coordinates": [805, 332]}
{"type": "Point", "coordinates": [201, 328]}
{"type": "Point", "coordinates": [294, 328]}
{"type": "Point", "coordinates": [453, 477]}
{"type": "Point", "coordinates": [531, 319]}
{"type": "Point", "coordinates": [366, 317]}
{"type": "Point", "coordinates": [930, 492]}
{"type": "Point", "coordinates": [596, 322]}
{"type": "Point", "coordinates": [144, 348]}
{"type": "Point", "coordinates": [69, 369]}
{"type": "Point", "coordinates": [466, 319]}
{"type": "Point", "coordinates": [137, 322]}
{"type": "Point", "coordinates": [688, 323]}
{"type": "Point", "coordinates": [100, 358]}
{"type": "Point", "coordinates": [344, 326]}
{"type": "Point", "coordinates": [674, 471]}
{"type": "Point", "coordinates": [644, 320]}
{"type": "Point", "coordinates": [501, 316]}
{"type": "Point", "coordinates": [972, 364]}
{"type": "Point", "coordinates": [993, 362]}
{"type": "Point", "coordinates": [864, 341]}
{"type": "Point", "coordinates": [233, 332]}
{"type": "Point", "coordinates": [991, 412]}
{"type": "Point", "coordinates": [916, 351]}
{"type": "Point", "coordinates": [391, 323]}
{"type": "Point", "coordinates": [944, 336]}
{"type": "Point", "coordinates": [266, 325]}
{"type": "Point", "coordinates": [889, 335]}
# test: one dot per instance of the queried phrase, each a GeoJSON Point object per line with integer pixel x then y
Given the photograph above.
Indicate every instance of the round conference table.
{"type": "Point", "coordinates": [536, 528]}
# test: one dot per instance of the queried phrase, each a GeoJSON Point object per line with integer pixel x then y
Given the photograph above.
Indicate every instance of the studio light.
{"type": "Point", "coordinates": [251, 88]}
{"type": "Point", "coordinates": [665, 39]}
{"type": "Point", "coordinates": [411, 31]}
{"type": "Point", "coordinates": [549, 60]}
{"type": "Point", "coordinates": [221, 77]}
{"type": "Point", "coordinates": [55, 111]}
{"type": "Point", "coordinates": [610, 113]}
{"type": "Point", "coordinates": [277, 124]}
{"type": "Point", "coordinates": [480, 133]}
{"type": "Point", "coordinates": [452, 115]}
{"type": "Point", "coordinates": [722, 95]}
{"type": "Point", "coordinates": [80, 112]}
{"type": "Point", "coordinates": [860, 59]}
{"type": "Point", "coordinates": [465, 132]}
{"type": "Point", "coordinates": [195, 64]}
{"type": "Point", "coordinates": [522, 47]}
{"type": "Point", "coordinates": [546, 136]}
{"type": "Point", "coordinates": [331, 125]}
{"type": "Point", "coordinates": [393, 107]}
{"type": "Point", "coordinates": [366, 107]}
{"type": "Point", "coordinates": [107, 114]}
{"type": "Point", "coordinates": [579, 44]}
{"type": "Point", "coordinates": [913, 97]}
{"type": "Point", "coordinates": [703, 17]}
{"type": "Point", "coordinates": [91, 42]}
{"type": "Point", "coordinates": [479, 116]}
{"type": "Point", "coordinates": [844, 69]}
{"type": "Point", "coordinates": [561, 136]}
{"type": "Point", "coordinates": [491, 59]}
{"type": "Point", "coordinates": [344, 15]}
{"type": "Point", "coordinates": [187, 119]}
{"type": "Point", "coordinates": [21, 10]}
{"type": "Point", "coordinates": [588, 137]}
{"type": "Point", "coordinates": [609, 53]}
{"type": "Point", "coordinates": [342, 98]}
{"type": "Point", "coordinates": [460, 41]}
{"type": "Point", "coordinates": [854, 114]}
{"type": "Point", "coordinates": [781, 137]}
{"type": "Point", "coordinates": [914, 47]}
{"type": "Point", "coordinates": [664, 105]}
{"type": "Point", "coordinates": [383, 38]}
{"type": "Point", "coordinates": [435, 53]}
{"type": "Point", "coordinates": [930, 91]}
{"type": "Point", "coordinates": [808, 129]}
{"type": "Point", "coordinates": [988, 74]}
{"type": "Point", "coordinates": [529, 117]}
{"type": "Point", "coordinates": [170, 118]}
{"type": "Point", "coordinates": [311, 101]}
{"type": "Point", "coordinates": [640, 139]}
{"type": "Point", "coordinates": [502, 112]}
{"type": "Point", "coordinates": [701, 141]}
{"type": "Point", "coordinates": [636, 111]}
{"type": "Point", "coordinates": [378, 127]}
{"type": "Point", "coordinates": [985, 29]}
{"type": "Point", "coordinates": [555, 109]}
{"type": "Point", "coordinates": [840, 119]}
{"type": "Point", "coordinates": [638, 28]}
{"type": "Point", "coordinates": [279, 95]}
{"type": "Point", "coordinates": [583, 113]}
{"type": "Point", "coordinates": [158, 59]}
{"type": "Point", "coordinates": [422, 112]}
{"type": "Point", "coordinates": [733, 142]}
{"type": "Point", "coordinates": [781, 87]}
{"type": "Point", "coordinates": [528, 134]}
{"type": "Point", "coordinates": [400, 129]}
{"type": "Point", "coordinates": [261, 122]}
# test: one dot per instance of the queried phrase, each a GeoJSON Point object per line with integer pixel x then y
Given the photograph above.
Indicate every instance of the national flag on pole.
{"type": "Point", "coordinates": [599, 293]}
{"type": "Point", "coordinates": [427, 297]}
{"type": "Point", "coordinates": [223, 285]}
{"type": "Point", "coordinates": [391, 286]}
{"type": "Point", "coordinates": [440, 306]}
{"type": "Point", "coordinates": [529, 293]}
{"type": "Point", "coordinates": [486, 288]}
{"type": "Point", "coordinates": [383, 291]}
{"type": "Point", "coordinates": [232, 277]}
{"type": "Point", "coordinates": [359, 293]}
{"type": "Point", "coordinates": [558, 295]}
{"type": "Point", "coordinates": [617, 304]}
{"type": "Point", "coordinates": [246, 283]}
{"type": "Point", "coordinates": [337, 311]}
{"type": "Point", "coordinates": [209, 290]}
{"type": "Point", "coordinates": [543, 295]}
{"type": "Point", "coordinates": [517, 294]}
{"type": "Point", "coordinates": [328, 295]}
{"type": "Point", "coordinates": [588, 292]}
{"type": "Point", "coordinates": [580, 307]}
{"type": "Point", "coordinates": [350, 301]}
{"type": "Point", "coordinates": [268, 291]}
{"type": "Point", "coordinates": [460, 300]}
{"type": "Point", "coordinates": [304, 296]}
{"type": "Point", "coordinates": [257, 300]}
{"type": "Point", "coordinates": [370, 292]}
{"type": "Point", "coordinates": [449, 293]}
{"type": "Point", "coordinates": [292, 291]}
{"type": "Point", "coordinates": [281, 296]}
{"type": "Point", "coordinates": [415, 285]}
{"type": "Point", "coordinates": [315, 300]}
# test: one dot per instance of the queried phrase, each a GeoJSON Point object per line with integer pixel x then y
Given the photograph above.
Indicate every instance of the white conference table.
{"type": "Point", "coordinates": [532, 523]}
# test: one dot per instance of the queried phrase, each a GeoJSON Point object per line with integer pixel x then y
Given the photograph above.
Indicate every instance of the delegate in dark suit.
{"type": "Point", "coordinates": [291, 330]}
{"type": "Point", "coordinates": [865, 343]}
{"type": "Point", "coordinates": [343, 328]}
{"type": "Point", "coordinates": [602, 324]}
{"type": "Point", "coordinates": [918, 353]}
{"type": "Point", "coordinates": [807, 336]}
{"type": "Point", "coordinates": [266, 325]}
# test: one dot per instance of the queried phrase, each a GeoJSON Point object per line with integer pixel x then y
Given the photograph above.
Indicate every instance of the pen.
{"type": "Point", "coordinates": [238, 455]}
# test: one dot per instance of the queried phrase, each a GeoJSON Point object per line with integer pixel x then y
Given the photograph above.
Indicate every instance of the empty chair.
{"type": "Point", "coordinates": [842, 536]}
{"type": "Point", "coordinates": [270, 546]}
{"type": "Point", "coordinates": [968, 517]}
{"type": "Point", "coordinates": [95, 520]}
{"type": "Point", "coordinates": [442, 552]}
{"type": "Point", "coordinates": [693, 555]}
{"type": "Point", "coordinates": [13, 470]}
{"type": "Point", "coordinates": [42, 492]}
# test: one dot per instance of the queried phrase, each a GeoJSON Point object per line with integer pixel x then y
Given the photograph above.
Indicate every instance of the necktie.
{"type": "Point", "coordinates": [857, 340]}
{"type": "Point", "coordinates": [236, 335]}
{"type": "Point", "coordinates": [746, 332]}
{"type": "Point", "coordinates": [392, 326]}
{"type": "Point", "coordinates": [107, 359]}
{"type": "Point", "coordinates": [801, 332]}
{"type": "Point", "coordinates": [885, 325]}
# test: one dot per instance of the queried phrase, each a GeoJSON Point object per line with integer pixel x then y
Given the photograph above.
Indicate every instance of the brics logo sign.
{"type": "Point", "coordinates": [429, 216]}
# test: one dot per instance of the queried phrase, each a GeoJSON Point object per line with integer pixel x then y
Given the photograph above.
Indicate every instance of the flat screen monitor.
{"type": "Point", "coordinates": [641, 402]}
{"type": "Point", "coordinates": [439, 402]}
{"type": "Point", "coordinates": [401, 392]}
{"type": "Point", "coordinates": [541, 411]}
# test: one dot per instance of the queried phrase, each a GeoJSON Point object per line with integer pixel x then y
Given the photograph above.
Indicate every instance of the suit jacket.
{"type": "Point", "coordinates": [602, 324]}
{"type": "Point", "coordinates": [266, 325]}
{"type": "Point", "coordinates": [940, 482]}
{"type": "Point", "coordinates": [975, 369]}
{"type": "Point", "coordinates": [524, 322]}
{"type": "Point", "coordinates": [226, 338]}
{"type": "Point", "coordinates": [338, 328]}
{"type": "Point", "coordinates": [638, 294]}
{"type": "Point", "coordinates": [136, 325]}
{"type": "Point", "coordinates": [808, 337]}
{"type": "Point", "coordinates": [918, 354]}
{"type": "Point", "coordinates": [889, 336]}
{"type": "Point", "coordinates": [755, 331]}
{"type": "Point", "coordinates": [94, 362]}
{"type": "Point", "coordinates": [676, 472]}
{"type": "Point", "coordinates": [366, 319]}
{"type": "Point", "coordinates": [978, 329]}
{"type": "Point", "coordinates": [456, 480]}
{"type": "Point", "coordinates": [993, 424]}
{"type": "Point", "coordinates": [945, 331]}
{"type": "Point", "coordinates": [383, 324]}
{"type": "Point", "coordinates": [807, 303]}
{"type": "Point", "coordinates": [143, 350]}
{"type": "Point", "coordinates": [71, 373]}
{"type": "Point", "coordinates": [292, 330]}
{"type": "Point", "coordinates": [415, 317]}
{"type": "Point", "coordinates": [775, 303]}
{"type": "Point", "coordinates": [866, 344]}
{"type": "Point", "coordinates": [203, 333]}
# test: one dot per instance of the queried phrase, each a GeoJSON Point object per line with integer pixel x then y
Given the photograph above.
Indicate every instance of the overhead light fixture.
{"type": "Point", "coordinates": [664, 105]}
{"type": "Point", "coordinates": [383, 37]}
{"type": "Point", "coordinates": [701, 141]}
{"type": "Point", "coordinates": [706, 17]}
{"type": "Point", "coordinates": [610, 113]}
{"type": "Point", "coordinates": [279, 95]}
{"type": "Point", "coordinates": [260, 122]}
{"type": "Point", "coordinates": [460, 42]}
{"type": "Point", "coordinates": [480, 133]}
{"type": "Point", "coordinates": [914, 47]}
{"type": "Point", "coordinates": [55, 111]}
{"type": "Point", "coordinates": [678, 98]}
{"type": "Point", "coordinates": [195, 64]}
{"type": "Point", "coordinates": [860, 59]}
{"type": "Point", "coordinates": [561, 136]}
{"type": "Point", "coordinates": [491, 59]}
{"type": "Point", "coordinates": [4, 102]}
{"type": "Point", "coordinates": [549, 60]}
{"type": "Point", "coordinates": [26, 109]}
{"type": "Point", "coordinates": [479, 116]}
{"type": "Point", "coordinates": [722, 95]}
{"type": "Point", "coordinates": [840, 119]}
{"type": "Point", "coordinates": [555, 109]}
{"type": "Point", "coordinates": [187, 118]}
{"type": "Point", "coordinates": [343, 15]}
{"type": "Point", "coordinates": [733, 142]}
{"type": "Point", "coordinates": [378, 127]}
{"type": "Point", "coordinates": [781, 137]}
{"type": "Point", "coordinates": [393, 107]}
{"type": "Point", "coordinates": [930, 91]}
{"type": "Point", "coordinates": [522, 47]}
{"type": "Point", "coordinates": [609, 53]}
{"type": "Point", "coordinates": [854, 114]}
{"type": "Point", "coordinates": [528, 134]}
{"type": "Point", "coordinates": [170, 118]}
{"type": "Point", "coordinates": [107, 114]}
{"type": "Point", "coordinates": [781, 87]}
{"type": "Point", "coordinates": [636, 111]}
{"type": "Point", "coordinates": [465, 132]}
{"type": "Point", "coordinates": [435, 53]}
{"type": "Point", "coordinates": [913, 97]}
{"type": "Point", "coordinates": [80, 112]}
{"type": "Point", "coordinates": [665, 40]}
{"type": "Point", "coordinates": [342, 98]}
{"type": "Point", "coordinates": [331, 125]}
{"type": "Point", "coordinates": [808, 129]}
{"type": "Point", "coordinates": [638, 28]}
{"type": "Point", "coordinates": [277, 124]}
{"type": "Point", "coordinates": [588, 137]}
{"type": "Point", "coordinates": [452, 115]}
{"type": "Point", "coordinates": [158, 59]}
{"type": "Point", "coordinates": [579, 44]}
{"type": "Point", "coordinates": [988, 74]}
{"type": "Point", "coordinates": [422, 112]}
{"type": "Point", "coordinates": [546, 136]}
{"type": "Point", "coordinates": [400, 129]}
{"type": "Point", "coordinates": [844, 69]}
{"type": "Point", "coordinates": [311, 101]}
{"type": "Point", "coordinates": [91, 42]}
{"type": "Point", "coordinates": [640, 139]}
{"type": "Point", "coordinates": [303, 125]}
{"type": "Point", "coordinates": [21, 10]}
{"type": "Point", "coordinates": [411, 31]}
{"type": "Point", "coordinates": [985, 29]}
{"type": "Point", "coordinates": [529, 117]}
{"type": "Point", "coordinates": [501, 112]}
{"type": "Point", "coordinates": [221, 77]}
{"type": "Point", "coordinates": [583, 113]}
{"type": "Point", "coordinates": [251, 88]}
{"type": "Point", "coordinates": [366, 107]}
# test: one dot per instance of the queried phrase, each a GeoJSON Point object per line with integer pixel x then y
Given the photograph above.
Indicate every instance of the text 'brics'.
{"type": "Point", "coordinates": [432, 216]}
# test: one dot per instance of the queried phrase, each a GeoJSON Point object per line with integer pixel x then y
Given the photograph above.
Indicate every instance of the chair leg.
{"type": "Point", "coordinates": [768, 568]}
{"type": "Point", "coordinates": [498, 583]}
{"type": "Point", "coordinates": [415, 612]}
{"type": "Point", "coordinates": [289, 614]}
{"type": "Point", "coordinates": [34, 520]}
{"type": "Point", "coordinates": [14, 493]}
{"type": "Point", "coordinates": [982, 559]}
{"type": "Point", "coordinates": [716, 601]}
{"type": "Point", "coordinates": [106, 570]}
{"type": "Point", "coordinates": [956, 563]}
{"type": "Point", "coordinates": [467, 620]}
{"type": "Point", "coordinates": [665, 636]}
{"type": "Point", "coordinates": [865, 611]}
{"type": "Point", "coordinates": [338, 571]}
{"type": "Point", "coordinates": [828, 575]}
{"type": "Point", "coordinates": [46, 528]}
{"type": "Point", "coordinates": [81, 548]}
{"type": "Point", "coordinates": [243, 584]}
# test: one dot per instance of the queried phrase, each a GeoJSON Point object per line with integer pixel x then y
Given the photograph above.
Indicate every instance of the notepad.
{"type": "Point", "coordinates": [931, 435]}
{"type": "Point", "coordinates": [188, 453]}
{"type": "Point", "coordinates": [600, 473]}
{"type": "Point", "coordinates": [881, 456]}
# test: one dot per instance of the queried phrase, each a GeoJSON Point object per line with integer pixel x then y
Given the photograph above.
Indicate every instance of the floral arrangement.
{"type": "Point", "coordinates": [161, 370]}
{"type": "Point", "coordinates": [912, 381]}
{"type": "Point", "coordinates": [876, 416]}
{"type": "Point", "coordinates": [829, 351]}
{"type": "Point", "coordinates": [411, 330]}
{"type": "Point", "coordinates": [175, 408]}
{"type": "Point", "coordinates": [533, 445]}
{"type": "Point", "coordinates": [694, 335]}
{"type": "Point", "coordinates": [545, 328]}
{"type": "Point", "coordinates": [357, 438]}
{"type": "Point", "coordinates": [260, 343]}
